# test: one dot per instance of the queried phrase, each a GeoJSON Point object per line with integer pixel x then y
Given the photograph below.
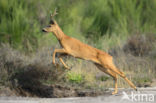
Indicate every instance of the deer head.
{"type": "Point", "coordinates": [52, 24]}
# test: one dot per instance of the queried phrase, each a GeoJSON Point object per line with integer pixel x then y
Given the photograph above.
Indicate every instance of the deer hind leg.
{"type": "Point", "coordinates": [112, 74]}
{"type": "Point", "coordinates": [110, 65]}
{"type": "Point", "coordinates": [114, 69]}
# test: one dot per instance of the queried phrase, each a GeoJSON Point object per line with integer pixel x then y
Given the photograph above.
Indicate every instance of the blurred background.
{"type": "Point", "coordinates": [124, 29]}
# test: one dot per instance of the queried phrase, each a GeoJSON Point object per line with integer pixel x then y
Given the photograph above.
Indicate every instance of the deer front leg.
{"type": "Point", "coordinates": [63, 63]}
{"type": "Point", "coordinates": [59, 51]}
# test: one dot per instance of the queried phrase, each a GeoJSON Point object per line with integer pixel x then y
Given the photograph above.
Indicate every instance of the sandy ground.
{"type": "Point", "coordinates": [143, 95]}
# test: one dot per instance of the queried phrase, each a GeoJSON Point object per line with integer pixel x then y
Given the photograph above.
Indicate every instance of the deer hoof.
{"type": "Point", "coordinates": [57, 65]}
{"type": "Point", "coordinates": [115, 92]}
{"type": "Point", "coordinates": [67, 67]}
{"type": "Point", "coordinates": [54, 63]}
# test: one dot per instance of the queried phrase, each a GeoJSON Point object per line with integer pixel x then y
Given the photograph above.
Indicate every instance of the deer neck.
{"type": "Point", "coordinates": [59, 33]}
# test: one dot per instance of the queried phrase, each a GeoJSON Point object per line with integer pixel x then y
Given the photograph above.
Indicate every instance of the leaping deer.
{"type": "Point", "coordinates": [77, 49]}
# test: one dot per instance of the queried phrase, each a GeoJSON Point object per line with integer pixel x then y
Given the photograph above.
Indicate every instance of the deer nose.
{"type": "Point", "coordinates": [43, 30]}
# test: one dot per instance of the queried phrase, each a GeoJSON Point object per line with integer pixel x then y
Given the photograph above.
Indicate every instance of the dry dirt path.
{"type": "Point", "coordinates": [143, 95]}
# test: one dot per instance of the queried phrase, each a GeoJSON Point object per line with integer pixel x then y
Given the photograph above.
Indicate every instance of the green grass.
{"type": "Point", "coordinates": [21, 21]}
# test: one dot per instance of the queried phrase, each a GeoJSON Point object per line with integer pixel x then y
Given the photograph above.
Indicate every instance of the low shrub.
{"type": "Point", "coordinates": [74, 77]}
{"type": "Point", "coordinates": [140, 45]}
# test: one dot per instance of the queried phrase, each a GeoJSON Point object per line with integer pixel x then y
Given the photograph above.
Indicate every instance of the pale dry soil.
{"type": "Point", "coordinates": [105, 98]}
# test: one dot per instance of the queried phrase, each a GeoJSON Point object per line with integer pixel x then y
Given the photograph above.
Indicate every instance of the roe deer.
{"type": "Point", "coordinates": [75, 48]}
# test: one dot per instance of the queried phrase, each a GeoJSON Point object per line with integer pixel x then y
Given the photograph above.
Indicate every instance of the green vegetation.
{"type": "Point", "coordinates": [21, 21]}
{"type": "Point", "coordinates": [124, 28]}
{"type": "Point", "coordinates": [74, 77]}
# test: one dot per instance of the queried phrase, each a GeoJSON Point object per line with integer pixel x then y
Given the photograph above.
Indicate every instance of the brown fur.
{"type": "Point", "coordinates": [76, 48]}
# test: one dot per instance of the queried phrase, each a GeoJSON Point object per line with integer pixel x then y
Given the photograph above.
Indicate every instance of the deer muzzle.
{"type": "Point", "coordinates": [43, 30]}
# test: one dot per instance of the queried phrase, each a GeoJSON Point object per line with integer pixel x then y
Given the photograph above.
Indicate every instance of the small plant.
{"type": "Point", "coordinates": [74, 77]}
{"type": "Point", "coordinates": [103, 78]}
